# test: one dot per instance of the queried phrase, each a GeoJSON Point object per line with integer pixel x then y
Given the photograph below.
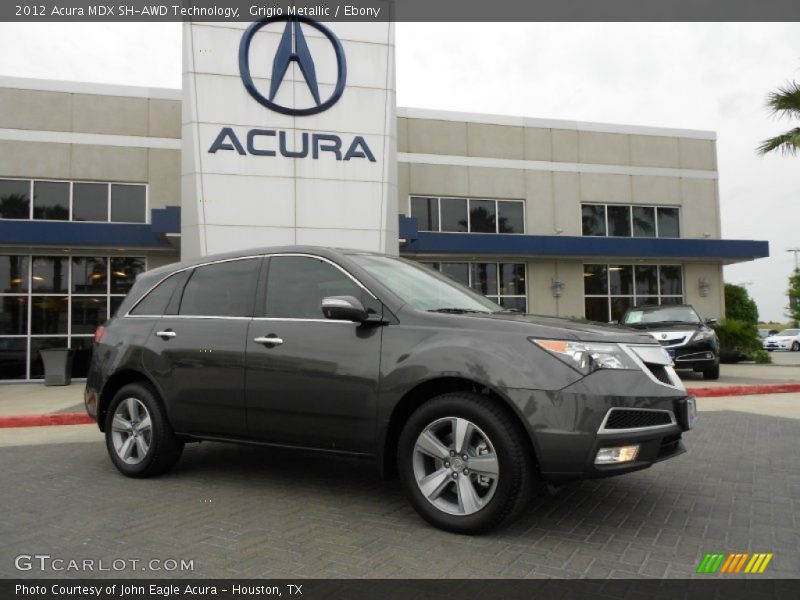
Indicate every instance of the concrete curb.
{"type": "Point", "coordinates": [745, 390]}
{"type": "Point", "coordinates": [44, 420]}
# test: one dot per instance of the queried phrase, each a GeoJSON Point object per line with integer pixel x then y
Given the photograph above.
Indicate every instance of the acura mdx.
{"type": "Point", "coordinates": [371, 355]}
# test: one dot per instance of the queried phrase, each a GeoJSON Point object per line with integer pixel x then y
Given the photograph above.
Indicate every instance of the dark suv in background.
{"type": "Point", "coordinates": [689, 339]}
{"type": "Point", "coordinates": [376, 356]}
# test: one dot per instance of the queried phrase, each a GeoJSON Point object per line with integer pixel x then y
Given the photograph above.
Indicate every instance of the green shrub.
{"type": "Point", "coordinates": [739, 340]}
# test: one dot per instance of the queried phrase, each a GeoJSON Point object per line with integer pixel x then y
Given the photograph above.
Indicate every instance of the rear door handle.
{"type": "Point", "coordinates": [269, 340]}
{"type": "Point", "coordinates": [166, 334]}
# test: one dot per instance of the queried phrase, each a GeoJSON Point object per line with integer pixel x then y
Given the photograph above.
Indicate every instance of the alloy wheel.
{"type": "Point", "coordinates": [131, 431]}
{"type": "Point", "coordinates": [456, 466]}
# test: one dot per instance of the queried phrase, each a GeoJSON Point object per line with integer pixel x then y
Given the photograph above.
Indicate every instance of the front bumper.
{"type": "Point", "coordinates": [567, 426]}
{"type": "Point", "coordinates": [698, 355]}
{"type": "Point", "coordinates": [787, 345]}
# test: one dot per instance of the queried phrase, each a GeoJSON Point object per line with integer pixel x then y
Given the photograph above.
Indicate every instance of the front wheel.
{"type": "Point", "coordinates": [712, 373]}
{"type": "Point", "coordinates": [795, 346]}
{"type": "Point", "coordinates": [464, 463]}
{"type": "Point", "coordinates": [139, 439]}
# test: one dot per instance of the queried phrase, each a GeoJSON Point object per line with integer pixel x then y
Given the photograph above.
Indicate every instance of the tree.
{"type": "Point", "coordinates": [785, 102]}
{"type": "Point", "coordinates": [794, 297]}
{"type": "Point", "coordinates": [739, 305]}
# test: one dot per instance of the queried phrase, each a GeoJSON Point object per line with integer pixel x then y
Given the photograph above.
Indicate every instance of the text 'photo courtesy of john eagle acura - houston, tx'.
{"type": "Point", "coordinates": [472, 405]}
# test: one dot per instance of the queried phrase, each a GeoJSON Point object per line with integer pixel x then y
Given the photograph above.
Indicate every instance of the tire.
{"type": "Point", "coordinates": [795, 346]}
{"type": "Point", "coordinates": [712, 373]}
{"type": "Point", "coordinates": [145, 455]}
{"type": "Point", "coordinates": [489, 500]}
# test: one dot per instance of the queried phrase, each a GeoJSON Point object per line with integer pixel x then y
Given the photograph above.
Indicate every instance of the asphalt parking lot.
{"type": "Point", "coordinates": [245, 512]}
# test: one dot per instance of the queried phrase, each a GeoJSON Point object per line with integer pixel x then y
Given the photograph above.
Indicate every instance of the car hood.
{"type": "Point", "coordinates": [569, 329]}
{"type": "Point", "coordinates": [780, 338]}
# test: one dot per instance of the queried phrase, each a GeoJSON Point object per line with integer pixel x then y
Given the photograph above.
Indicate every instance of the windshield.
{"type": "Point", "coordinates": [423, 288]}
{"type": "Point", "coordinates": [661, 314]}
{"type": "Point", "coordinates": [789, 332]}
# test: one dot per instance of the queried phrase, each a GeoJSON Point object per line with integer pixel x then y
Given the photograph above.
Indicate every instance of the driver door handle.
{"type": "Point", "coordinates": [166, 334]}
{"type": "Point", "coordinates": [270, 340]}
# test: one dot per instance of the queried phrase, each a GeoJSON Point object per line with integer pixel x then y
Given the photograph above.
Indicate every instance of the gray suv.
{"type": "Point", "coordinates": [370, 355]}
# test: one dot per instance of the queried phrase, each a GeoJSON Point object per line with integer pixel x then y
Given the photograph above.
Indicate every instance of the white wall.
{"type": "Point", "coordinates": [232, 201]}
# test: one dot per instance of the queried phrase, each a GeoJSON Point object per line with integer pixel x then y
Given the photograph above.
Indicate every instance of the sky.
{"type": "Point", "coordinates": [710, 76]}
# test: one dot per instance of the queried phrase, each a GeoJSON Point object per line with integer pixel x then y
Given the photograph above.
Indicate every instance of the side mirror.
{"type": "Point", "coordinates": [711, 321]}
{"type": "Point", "coordinates": [344, 308]}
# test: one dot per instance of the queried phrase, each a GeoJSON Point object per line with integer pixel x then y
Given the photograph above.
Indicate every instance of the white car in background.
{"type": "Point", "coordinates": [788, 339]}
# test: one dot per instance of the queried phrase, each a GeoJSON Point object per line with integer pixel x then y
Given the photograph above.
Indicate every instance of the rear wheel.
{"type": "Point", "coordinates": [465, 464]}
{"type": "Point", "coordinates": [139, 439]}
{"type": "Point", "coordinates": [712, 373]}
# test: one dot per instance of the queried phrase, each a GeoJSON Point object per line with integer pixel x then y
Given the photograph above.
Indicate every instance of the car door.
{"type": "Point", "coordinates": [197, 356]}
{"type": "Point", "coordinates": [316, 385]}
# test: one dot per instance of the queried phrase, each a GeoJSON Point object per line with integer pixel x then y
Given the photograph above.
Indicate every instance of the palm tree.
{"type": "Point", "coordinates": [785, 102]}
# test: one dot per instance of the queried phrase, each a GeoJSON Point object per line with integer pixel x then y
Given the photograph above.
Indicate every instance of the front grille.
{"type": "Point", "coordinates": [674, 342]}
{"type": "Point", "coordinates": [632, 418]}
{"type": "Point", "coordinates": [659, 372]}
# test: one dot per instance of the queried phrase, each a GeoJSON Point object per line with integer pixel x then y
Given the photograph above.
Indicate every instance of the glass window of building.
{"type": "Point", "coordinates": [51, 200]}
{"type": "Point", "coordinates": [124, 270]}
{"type": "Point", "coordinates": [503, 283]}
{"type": "Point", "coordinates": [426, 212]}
{"type": "Point", "coordinates": [644, 221]}
{"type": "Point", "coordinates": [55, 302]}
{"type": "Point", "coordinates": [593, 218]}
{"type": "Point", "coordinates": [128, 203]}
{"type": "Point", "coordinates": [89, 275]}
{"type": "Point", "coordinates": [609, 290]}
{"type": "Point", "coordinates": [13, 274]}
{"type": "Point", "coordinates": [456, 271]}
{"type": "Point", "coordinates": [482, 216]}
{"type": "Point", "coordinates": [15, 199]}
{"type": "Point", "coordinates": [454, 214]}
{"type": "Point", "coordinates": [468, 215]}
{"type": "Point", "coordinates": [619, 221]}
{"type": "Point", "coordinates": [50, 275]}
{"type": "Point", "coordinates": [668, 222]}
{"type": "Point", "coordinates": [90, 202]}
{"type": "Point", "coordinates": [510, 217]}
{"type": "Point", "coordinates": [616, 220]}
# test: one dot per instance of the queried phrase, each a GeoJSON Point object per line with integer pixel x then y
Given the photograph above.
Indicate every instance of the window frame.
{"type": "Point", "coordinates": [437, 265]}
{"type": "Point", "coordinates": [30, 294]}
{"type": "Point", "coordinates": [469, 200]}
{"type": "Point", "coordinates": [609, 297]}
{"type": "Point", "coordinates": [71, 183]}
{"type": "Point", "coordinates": [630, 207]}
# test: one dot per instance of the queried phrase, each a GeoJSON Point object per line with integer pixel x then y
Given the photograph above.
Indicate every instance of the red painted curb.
{"type": "Point", "coordinates": [745, 390]}
{"type": "Point", "coordinates": [42, 420]}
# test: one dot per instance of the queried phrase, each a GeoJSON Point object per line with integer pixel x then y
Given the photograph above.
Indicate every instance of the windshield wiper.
{"type": "Point", "coordinates": [458, 311]}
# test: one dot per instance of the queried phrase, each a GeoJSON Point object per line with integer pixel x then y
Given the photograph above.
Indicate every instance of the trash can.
{"type": "Point", "coordinates": [57, 366]}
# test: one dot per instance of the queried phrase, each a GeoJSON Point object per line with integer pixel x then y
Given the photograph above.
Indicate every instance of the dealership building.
{"type": "Point", "coordinates": [287, 132]}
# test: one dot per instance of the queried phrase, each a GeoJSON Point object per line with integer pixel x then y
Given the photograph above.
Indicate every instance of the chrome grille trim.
{"type": "Point", "coordinates": [603, 429]}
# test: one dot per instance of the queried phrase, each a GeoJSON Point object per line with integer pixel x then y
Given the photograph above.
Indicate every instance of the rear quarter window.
{"type": "Point", "coordinates": [158, 299]}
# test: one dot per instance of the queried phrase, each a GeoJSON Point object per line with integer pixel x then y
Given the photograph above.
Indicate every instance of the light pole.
{"type": "Point", "coordinates": [796, 252]}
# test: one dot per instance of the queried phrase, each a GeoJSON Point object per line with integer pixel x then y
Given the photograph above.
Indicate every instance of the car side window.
{"type": "Point", "coordinates": [156, 302]}
{"type": "Point", "coordinates": [224, 289]}
{"type": "Point", "coordinates": [296, 286]}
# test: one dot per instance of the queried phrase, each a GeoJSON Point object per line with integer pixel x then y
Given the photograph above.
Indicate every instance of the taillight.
{"type": "Point", "coordinates": [98, 334]}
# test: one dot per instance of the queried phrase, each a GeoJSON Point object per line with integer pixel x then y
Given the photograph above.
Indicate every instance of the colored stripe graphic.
{"type": "Point", "coordinates": [734, 562]}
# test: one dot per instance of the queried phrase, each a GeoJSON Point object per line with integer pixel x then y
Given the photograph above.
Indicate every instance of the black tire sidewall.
{"type": "Point", "coordinates": [162, 439]}
{"type": "Point", "coordinates": [513, 468]}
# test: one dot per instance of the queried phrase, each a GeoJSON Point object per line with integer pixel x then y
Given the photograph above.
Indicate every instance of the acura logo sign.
{"type": "Point", "coordinates": [293, 48]}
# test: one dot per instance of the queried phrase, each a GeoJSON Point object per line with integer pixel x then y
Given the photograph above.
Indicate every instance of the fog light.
{"type": "Point", "coordinates": [621, 454]}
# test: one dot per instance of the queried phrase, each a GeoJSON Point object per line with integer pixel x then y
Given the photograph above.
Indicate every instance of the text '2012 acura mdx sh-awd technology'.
{"type": "Point", "coordinates": [373, 355]}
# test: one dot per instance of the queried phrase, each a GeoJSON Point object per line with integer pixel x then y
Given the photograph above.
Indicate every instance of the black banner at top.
{"type": "Point", "coordinates": [403, 10]}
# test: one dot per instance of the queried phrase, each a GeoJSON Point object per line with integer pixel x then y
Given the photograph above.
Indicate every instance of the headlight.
{"type": "Point", "coordinates": [586, 357]}
{"type": "Point", "coordinates": [703, 335]}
